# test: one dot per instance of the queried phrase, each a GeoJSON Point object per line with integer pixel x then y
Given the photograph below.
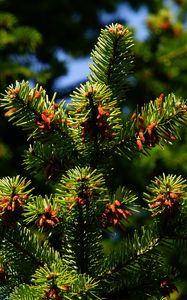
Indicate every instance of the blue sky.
{"type": "Point", "coordinates": [78, 68]}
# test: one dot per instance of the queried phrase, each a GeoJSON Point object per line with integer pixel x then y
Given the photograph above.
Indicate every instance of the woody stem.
{"type": "Point", "coordinates": [94, 113]}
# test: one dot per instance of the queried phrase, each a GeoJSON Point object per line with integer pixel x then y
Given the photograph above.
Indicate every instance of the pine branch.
{"type": "Point", "coordinates": [133, 247]}
{"type": "Point", "coordinates": [126, 145]}
{"type": "Point", "coordinates": [33, 111]}
{"type": "Point", "coordinates": [135, 255]}
{"type": "Point", "coordinates": [28, 243]}
{"type": "Point", "coordinates": [50, 160]}
{"type": "Point", "coordinates": [43, 213]}
{"type": "Point", "coordinates": [112, 59]}
{"type": "Point", "coordinates": [159, 121]}
{"type": "Point", "coordinates": [25, 292]}
{"type": "Point", "coordinates": [57, 283]}
{"type": "Point", "coordinates": [166, 194]}
{"type": "Point", "coordinates": [95, 119]}
{"type": "Point", "coordinates": [13, 196]}
{"type": "Point", "coordinates": [83, 193]}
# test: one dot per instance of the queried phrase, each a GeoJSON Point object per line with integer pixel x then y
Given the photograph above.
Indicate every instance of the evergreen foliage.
{"type": "Point", "coordinates": [16, 41]}
{"type": "Point", "coordinates": [53, 246]}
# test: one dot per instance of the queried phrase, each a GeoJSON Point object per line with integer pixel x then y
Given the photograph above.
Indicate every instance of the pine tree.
{"type": "Point", "coordinates": [54, 245]}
